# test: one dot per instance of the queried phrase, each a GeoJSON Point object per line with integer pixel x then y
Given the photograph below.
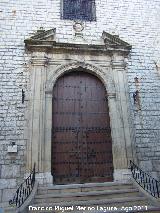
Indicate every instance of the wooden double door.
{"type": "Point", "coordinates": [81, 136]}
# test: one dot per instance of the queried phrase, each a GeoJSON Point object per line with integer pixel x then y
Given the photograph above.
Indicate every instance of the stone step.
{"type": "Point", "coordinates": [4, 204]}
{"type": "Point", "coordinates": [101, 209]}
{"type": "Point", "coordinates": [7, 208]}
{"type": "Point", "coordinates": [95, 195]}
{"type": "Point", "coordinates": [110, 201]}
{"type": "Point", "coordinates": [86, 195]}
{"type": "Point", "coordinates": [131, 209]}
{"type": "Point", "coordinates": [56, 207]}
{"type": "Point", "coordinates": [10, 210]}
{"type": "Point", "coordinates": [83, 187]}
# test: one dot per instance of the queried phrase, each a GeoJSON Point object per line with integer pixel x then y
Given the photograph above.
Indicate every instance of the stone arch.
{"type": "Point", "coordinates": [103, 75]}
{"type": "Point", "coordinates": [113, 78]}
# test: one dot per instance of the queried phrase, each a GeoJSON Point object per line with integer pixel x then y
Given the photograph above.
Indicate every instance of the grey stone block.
{"type": "Point", "coordinates": [8, 194]}
{"type": "Point", "coordinates": [0, 168]}
{"type": "Point", "coordinates": [156, 165]}
{"type": "Point", "coordinates": [146, 165]}
{"type": "Point", "coordinates": [155, 175]}
{"type": "Point", "coordinates": [10, 171]}
{"type": "Point", "coordinates": [0, 195]}
{"type": "Point", "coordinates": [7, 183]}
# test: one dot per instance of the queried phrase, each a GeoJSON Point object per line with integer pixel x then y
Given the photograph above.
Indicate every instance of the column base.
{"type": "Point", "coordinates": [44, 178]}
{"type": "Point", "coordinates": [122, 175]}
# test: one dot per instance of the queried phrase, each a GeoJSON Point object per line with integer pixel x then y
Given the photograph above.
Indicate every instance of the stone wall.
{"type": "Point", "coordinates": [137, 22]}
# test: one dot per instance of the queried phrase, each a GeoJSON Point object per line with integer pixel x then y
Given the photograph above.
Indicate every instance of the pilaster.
{"type": "Point", "coordinates": [122, 125]}
{"type": "Point", "coordinates": [37, 119]}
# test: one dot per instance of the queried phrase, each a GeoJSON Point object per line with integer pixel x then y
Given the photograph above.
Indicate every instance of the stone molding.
{"type": "Point", "coordinates": [42, 34]}
{"type": "Point", "coordinates": [79, 65]}
{"type": "Point", "coordinates": [114, 41]}
{"type": "Point", "coordinates": [39, 61]}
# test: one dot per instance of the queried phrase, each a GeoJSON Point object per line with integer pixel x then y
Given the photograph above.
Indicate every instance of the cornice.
{"type": "Point", "coordinates": [114, 41]}
{"type": "Point", "coordinates": [44, 41]}
{"type": "Point", "coordinates": [49, 46]}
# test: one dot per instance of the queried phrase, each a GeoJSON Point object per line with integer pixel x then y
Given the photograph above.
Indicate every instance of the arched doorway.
{"type": "Point", "coordinates": [81, 135]}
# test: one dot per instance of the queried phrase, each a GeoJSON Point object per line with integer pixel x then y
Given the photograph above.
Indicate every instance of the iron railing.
{"type": "Point", "coordinates": [147, 182]}
{"type": "Point", "coordinates": [24, 190]}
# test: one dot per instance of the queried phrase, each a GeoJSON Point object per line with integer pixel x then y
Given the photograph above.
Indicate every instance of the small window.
{"type": "Point", "coordinates": [79, 10]}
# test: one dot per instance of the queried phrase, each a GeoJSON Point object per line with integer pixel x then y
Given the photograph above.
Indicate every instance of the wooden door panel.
{"type": "Point", "coordinates": [81, 136]}
{"type": "Point", "coordinates": [64, 156]}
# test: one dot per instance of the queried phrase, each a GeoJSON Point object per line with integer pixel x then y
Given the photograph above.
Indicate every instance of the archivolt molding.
{"type": "Point", "coordinates": [105, 77]}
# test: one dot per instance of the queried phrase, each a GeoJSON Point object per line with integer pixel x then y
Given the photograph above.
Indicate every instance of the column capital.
{"type": "Point", "coordinates": [111, 95]}
{"type": "Point", "coordinates": [118, 62]}
{"type": "Point", "coordinates": [118, 65]}
{"type": "Point", "coordinates": [39, 59]}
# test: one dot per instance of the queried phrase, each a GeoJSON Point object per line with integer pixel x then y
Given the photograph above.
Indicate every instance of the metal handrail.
{"type": "Point", "coordinates": [146, 181]}
{"type": "Point", "coordinates": [24, 190]}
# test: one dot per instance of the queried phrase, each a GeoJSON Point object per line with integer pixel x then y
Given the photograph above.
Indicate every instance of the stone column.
{"type": "Point", "coordinates": [48, 132]}
{"type": "Point", "coordinates": [118, 148]}
{"type": "Point", "coordinates": [121, 133]}
{"type": "Point", "coordinates": [37, 116]}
